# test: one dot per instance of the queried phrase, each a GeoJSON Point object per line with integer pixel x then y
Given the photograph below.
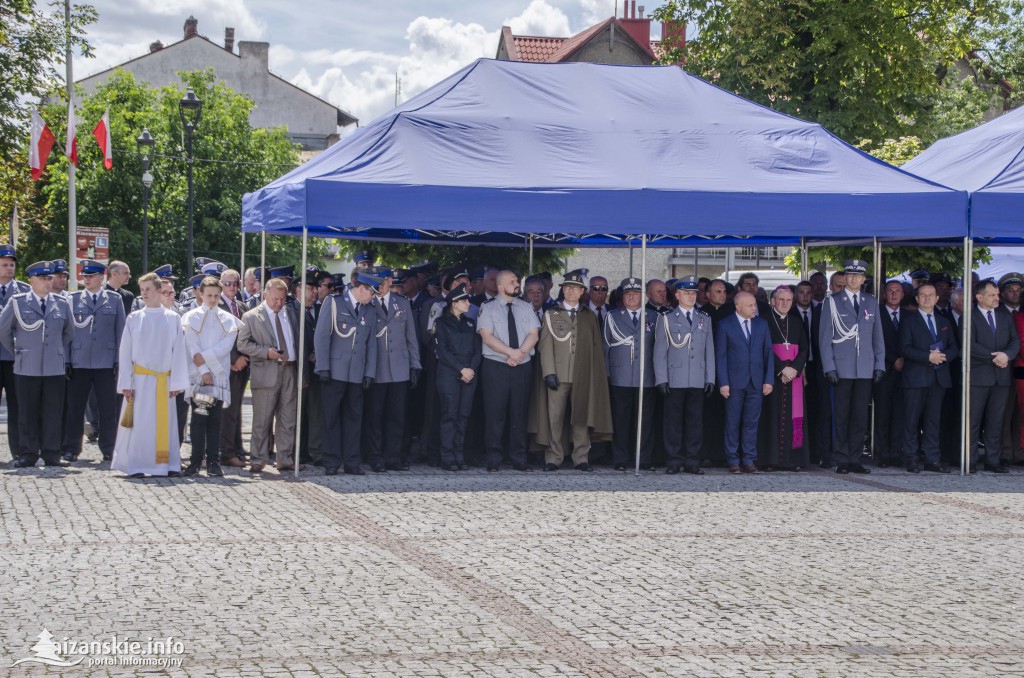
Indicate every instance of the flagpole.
{"type": "Point", "coordinates": [72, 206]}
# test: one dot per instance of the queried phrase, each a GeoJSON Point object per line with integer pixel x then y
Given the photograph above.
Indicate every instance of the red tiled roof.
{"type": "Point", "coordinates": [579, 40]}
{"type": "Point", "coordinates": [536, 49]}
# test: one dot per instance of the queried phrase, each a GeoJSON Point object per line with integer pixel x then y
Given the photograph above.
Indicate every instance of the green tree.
{"type": "Point", "coordinates": [33, 43]}
{"type": "Point", "coordinates": [513, 258]}
{"type": "Point", "coordinates": [232, 158]}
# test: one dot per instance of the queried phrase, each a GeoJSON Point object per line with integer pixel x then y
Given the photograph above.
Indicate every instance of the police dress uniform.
{"type": "Point", "coordinates": [36, 331]}
{"type": "Point", "coordinates": [8, 292]}
{"type": "Point", "coordinates": [98, 320]}
{"type": "Point", "coordinates": [684, 366]}
{"type": "Point", "coordinates": [458, 346]}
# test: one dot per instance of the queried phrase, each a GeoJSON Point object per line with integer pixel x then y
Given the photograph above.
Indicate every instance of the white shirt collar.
{"type": "Point", "coordinates": [741, 318]}
{"type": "Point", "coordinates": [934, 314]}
{"type": "Point", "coordinates": [849, 295]}
{"type": "Point", "coordinates": [567, 307]}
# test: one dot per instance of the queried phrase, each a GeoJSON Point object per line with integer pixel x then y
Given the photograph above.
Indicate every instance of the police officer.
{"type": "Point", "coordinates": [622, 332]}
{"type": "Point", "coordinates": [59, 284]}
{"type": "Point", "coordinates": [346, 362]}
{"type": "Point", "coordinates": [458, 348]}
{"type": "Point", "coordinates": [9, 288]}
{"type": "Point", "coordinates": [684, 369]}
{"type": "Point", "coordinates": [397, 372]}
{"type": "Point", "coordinates": [98, 319]}
{"type": "Point", "coordinates": [852, 353]}
{"type": "Point", "coordinates": [35, 327]}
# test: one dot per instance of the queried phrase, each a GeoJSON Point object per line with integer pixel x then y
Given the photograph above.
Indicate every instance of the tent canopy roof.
{"type": "Point", "coordinates": [567, 151]}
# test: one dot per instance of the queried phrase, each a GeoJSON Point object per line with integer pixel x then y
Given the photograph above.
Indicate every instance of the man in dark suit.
{"type": "Point", "coordinates": [745, 366]}
{"type": "Point", "coordinates": [888, 404]}
{"type": "Point", "coordinates": [927, 343]}
{"type": "Point", "coordinates": [817, 406]}
{"type": "Point", "coordinates": [994, 343]}
{"type": "Point", "coordinates": [231, 448]}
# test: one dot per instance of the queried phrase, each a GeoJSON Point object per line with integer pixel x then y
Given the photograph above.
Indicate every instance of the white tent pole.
{"type": "Point", "coordinates": [965, 357]}
{"type": "Point", "coordinates": [299, 350]}
{"type": "Point", "coordinates": [876, 262]}
{"type": "Point", "coordinates": [530, 238]}
{"type": "Point", "coordinates": [643, 357]}
{"type": "Point", "coordinates": [263, 261]}
{"type": "Point", "coordinates": [241, 260]}
{"type": "Point", "coordinates": [803, 258]}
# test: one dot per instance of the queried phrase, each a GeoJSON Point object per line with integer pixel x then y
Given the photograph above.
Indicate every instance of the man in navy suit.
{"type": "Point", "coordinates": [745, 365]}
{"type": "Point", "coordinates": [927, 344]}
{"type": "Point", "coordinates": [994, 344]}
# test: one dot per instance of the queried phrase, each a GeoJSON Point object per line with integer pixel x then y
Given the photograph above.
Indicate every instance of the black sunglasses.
{"type": "Point", "coordinates": [598, 288]}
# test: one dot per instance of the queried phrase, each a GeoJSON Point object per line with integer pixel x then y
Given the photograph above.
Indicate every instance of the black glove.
{"type": "Point", "coordinates": [832, 377]}
{"type": "Point", "coordinates": [414, 378]}
{"type": "Point", "coordinates": [551, 381]}
{"type": "Point", "coordinates": [878, 375]}
{"type": "Point", "coordinates": [67, 372]}
{"type": "Point", "coordinates": [663, 388]}
{"type": "Point", "coordinates": [709, 388]}
{"type": "Point", "coordinates": [367, 383]}
{"type": "Point", "coordinates": [325, 377]}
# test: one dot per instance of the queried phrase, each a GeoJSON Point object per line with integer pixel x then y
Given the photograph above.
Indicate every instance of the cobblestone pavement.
{"type": "Point", "coordinates": [427, 573]}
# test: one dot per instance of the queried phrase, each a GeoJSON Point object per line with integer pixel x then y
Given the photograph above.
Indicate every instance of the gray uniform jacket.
{"type": "Point", "coordinates": [622, 348]}
{"type": "Point", "coordinates": [39, 351]}
{"type": "Point", "coordinates": [398, 349]}
{"type": "Point", "coordinates": [860, 355]}
{"type": "Point", "coordinates": [98, 329]}
{"type": "Point", "coordinates": [14, 288]}
{"type": "Point", "coordinates": [684, 353]}
{"type": "Point", "coordinates": [344, 340]}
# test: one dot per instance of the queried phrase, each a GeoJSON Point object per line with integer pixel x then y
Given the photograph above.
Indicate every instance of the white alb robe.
{"type": "Point", "coordinates": [154, 339]}
{"type": "Point", "coordinates": [210, 332]}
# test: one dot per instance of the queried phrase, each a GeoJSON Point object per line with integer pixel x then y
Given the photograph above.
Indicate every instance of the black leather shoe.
{"type": "Point", "coordinates": [69, 456]}
{"type": "Point", "coordinates": [859, 468]}
{"type": "Point", "coordinates": [214, 471]}
{"type": "Point", "coordinates": [913, 468]}
{"type": "Point", "coordinates": [21, 462]}
{"type": "Point", "coordinates": [492, 469]}
{"type": "Point", "coordinates": [463, 467]}
{"type": "Point", "coordinates": [397, 467]}
{"type": "Point", "coordinates": [936, 468]}
{"type": "Point", "coordinates": [522, 467]}
{"type": "Point", "coordinates": [379, 468]}
{"type": "Point", "coordinates": [584, 467]}
{"type": "Point", "coordinates": [694, 470]}
{"type": "Point", "coordinates": [137, 475]}
{"type": "Point", "coordinates": [672, 470]}
{"type": "Point", "coordinates": [330, 472]}
{"type": "Point", "coordinates": [550, 467]}
{"type": "Point", "coordinates": [108, 457]}
{"type": "Point", "coordinates": [620, 467]}
{"type": "Point", "coordinates": [996, 469]}
{"type": "Point", "coordinates": [173, 474]}
{"type": "Point", "coordinates": [649, 467]}
{"type": "Point", "coordinates": [842, 469]}
{"type": "Point", "coordinates": [192, 470]}
{"type": "Point", "coordinates": [355, 471]}
{"type": "Point", "coordinates": [449, 467]}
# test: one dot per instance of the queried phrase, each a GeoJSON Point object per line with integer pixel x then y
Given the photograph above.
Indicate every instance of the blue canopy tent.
{"type": "Point", "coordinates": [579, 154]}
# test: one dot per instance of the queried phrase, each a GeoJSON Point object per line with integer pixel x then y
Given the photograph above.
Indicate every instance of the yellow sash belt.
{"type": "Point", "coordinates": [163, 442]}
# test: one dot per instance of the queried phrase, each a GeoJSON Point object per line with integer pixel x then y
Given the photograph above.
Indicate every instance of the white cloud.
{"type": "Point", "coordinates": [596, 11]}
{"type": "Point", "coordinates": [540, 18]}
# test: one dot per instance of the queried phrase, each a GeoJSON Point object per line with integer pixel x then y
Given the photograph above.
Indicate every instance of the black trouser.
{"type": "Point", "coordinates": [430, 438]}
{"type": "Point", "coordinates": [7, 386]}
{"type": "Point", "coordinates": [231, 418]}
{"type": "Point", "coordinates": [181, 407]}
{"type": "Point", "coordinates": [83, 383]}
{"type": "Point", "coordinates": [922, 409]}
{"type": "Point", "coordinates": [456, 403]}
{"type": "Point", "coordinates": [506, 392]}
{"type": "Point", "coordinates": [988, 404]}
{"type": "Point", "coordinates": [205, 432]}
{"type": "Point", "coordinates": [851, 398]}
{"type": "Point", "coordinates": [41, 402]}
{"type": "Point", "coordinates": [384, 422]}
{"type": "Point", "coordinates": [310, 429]}
{"type": "Point", "coordinates": [683, 431]}
{"type": "Point", "coordinates": [92, 411]}
{"type": "Point", "coordinates": [341, 405]}
{"type": "Point", "coordinates": [889, 424]}
{"type": "Point", "coordinates": [819, 413]}
{"type": "Point", "coordinates": [625, 402]}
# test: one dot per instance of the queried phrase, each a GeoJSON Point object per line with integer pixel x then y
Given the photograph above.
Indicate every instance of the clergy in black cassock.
{"type": "Point", "coordinates": [781, 433]}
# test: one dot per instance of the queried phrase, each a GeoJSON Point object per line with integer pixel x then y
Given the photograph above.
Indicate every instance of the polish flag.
{"type": "Point", "coordinates": [71, 144]}
{"type": "Point", "coordinates": [102, 134]}
{"type": "Point", "coordinates": [40, 145]}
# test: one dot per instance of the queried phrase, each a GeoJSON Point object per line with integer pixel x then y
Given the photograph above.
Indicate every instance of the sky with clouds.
{"type": "Point", "coordinates": [345, 51]}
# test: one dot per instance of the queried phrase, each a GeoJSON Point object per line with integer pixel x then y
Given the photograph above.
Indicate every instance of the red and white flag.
{"type": "Point", "coordinates": [102, 134]}
{"type": "Point", "coordinates": [71, 145]}
{"type": "Point", "coordinates": [39, 146]}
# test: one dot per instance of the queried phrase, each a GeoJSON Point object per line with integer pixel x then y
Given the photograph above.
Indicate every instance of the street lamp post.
{"type": "Point", "coordinates": [190, 108]}
{"type": "Point", "coordinates": [146, 143]}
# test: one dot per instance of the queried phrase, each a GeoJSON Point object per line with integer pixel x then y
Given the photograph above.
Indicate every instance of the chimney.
{"type": "Point", "coordinates": [632, 14]}
{"type": "Point", "coordinates": [255, 55]}
{"type": "Point", "coordinates": [625, 9]}
{"type": "Point", "coordinates": [638, 29]}
{"type": "Point", "coordinates": [155, 46]}
{"type": "Point", "coordinates": [229, 39]}
{"type": "Point", "coordinates": [191, 27]}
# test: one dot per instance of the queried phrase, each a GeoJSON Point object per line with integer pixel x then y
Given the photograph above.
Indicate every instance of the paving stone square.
{"type": "Point", "coordinates": [427, 573]}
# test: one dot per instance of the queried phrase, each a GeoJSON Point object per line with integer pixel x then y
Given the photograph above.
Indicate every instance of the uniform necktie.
{"type": "Point", "coordinates": [384, 305]}
{"type": "Point", "coordinates": [513, 331]}
{"type": "Point", "coordinates": [688, 318]}
{"type": "Point", "coordinates": [931, 326]}
{"type": "Point", "coordinates": [991, 322]}
{"type": "Point", "coordinates": [896, 320]}
{"type": "Point", "coordinates": [280, 337]}
{"type": "Point", "coordinates": [746, 329]}
{"type": "Point", "coordinates": [856, 306]}
{"type": "Point", "coordinates": [42, 304]}
{"type": "Point", "coordinates": [94, 299]}
{"type": "Point", "coordinates": [572, 314]}
{"type": "Point", "coordinates": [636, 319]}
{"type": "Point", "coordinates": [3, 293]}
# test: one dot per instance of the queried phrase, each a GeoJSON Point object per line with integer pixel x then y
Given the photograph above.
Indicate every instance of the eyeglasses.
{"type": "Point", "coordinates": [598, 288]}
{"type": "Point", "coordinates": [230, 283]}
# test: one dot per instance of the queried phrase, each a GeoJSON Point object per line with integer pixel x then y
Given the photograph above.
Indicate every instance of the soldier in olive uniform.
{"type": "Point", "coordinates": [684, 369]}
{"type": "Point", "coordinates": [35, 327]}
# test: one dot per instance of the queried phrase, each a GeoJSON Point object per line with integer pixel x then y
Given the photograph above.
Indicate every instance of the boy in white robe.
{"type": "Point", "coordinates": [209, 337]}
{"type": "Point", "coordinates": [153, 370]}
